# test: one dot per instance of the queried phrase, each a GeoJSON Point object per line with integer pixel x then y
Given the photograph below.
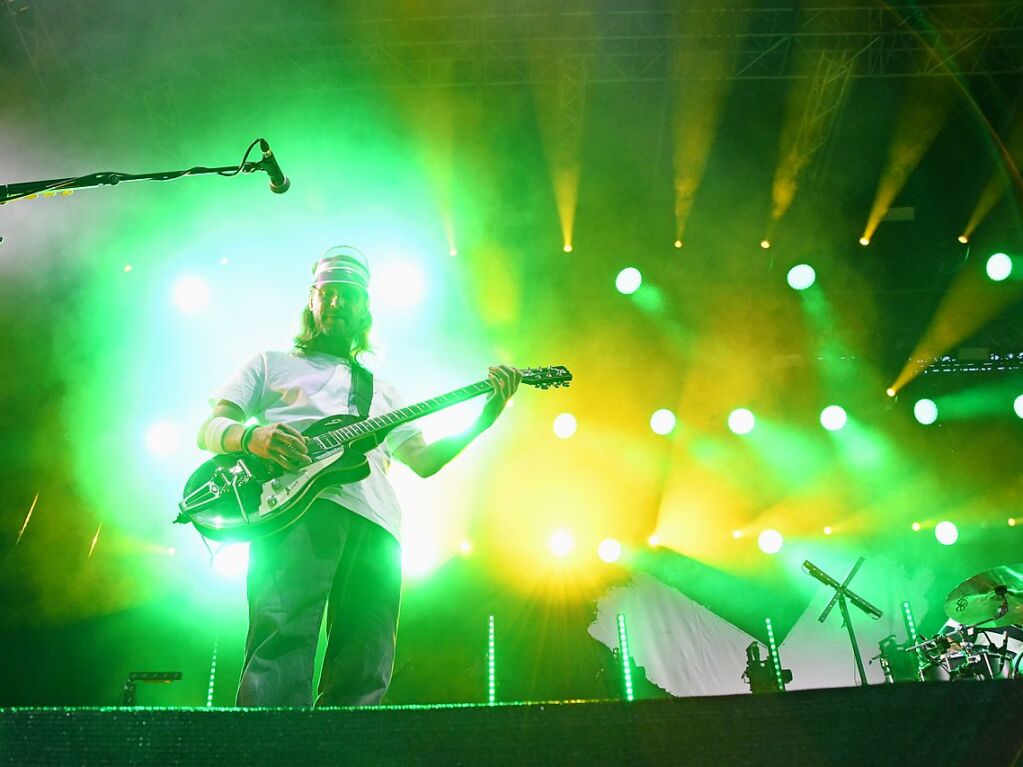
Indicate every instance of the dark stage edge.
{"type": "Point", "coordinates": [977, 723]}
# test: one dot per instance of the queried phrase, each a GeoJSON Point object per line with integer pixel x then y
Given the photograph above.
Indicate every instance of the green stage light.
{"type": "Point", "coordinates": [609, 550]}
{"type": "Point", "coordinates": [232, 560]}
{"type": "Point", "coordinates": [163, 438]}
{"type": "Point", "coordinates": [741, 421]}
{"type": "Point", "coordinates": [565, 425]}
{"type": "Point", "coordinates": [946, 533]}
{"type": "Point", "coordinates": [628, 280]}
{"type": "Point", "coordinates": [801, 276]}
{"type": "Point", "coordinates": [833, 417]}
{"type": "Point", "coordinates": [1017, 405]}
{"type": "Point", "coordinates": [398, 286]}
{"type": "Point", "coordinates": [191, 294]}
{"type": "Point", "coordinates": [925, 411]}
{"type": "Point", "coordinates": [662, 422]}
{"type": "Point", "coordinates": [491, 664]}
{"type": "Point", "coordinates": [561, 543]}
{"type": "Point", "coordinates": [770, 541]}
{"type": "Point", "coordinates": [999, 267]}
{"type": "Point", "coordinates": [418, 556]}
{"type": "Point", "coordinates": [624, 656]}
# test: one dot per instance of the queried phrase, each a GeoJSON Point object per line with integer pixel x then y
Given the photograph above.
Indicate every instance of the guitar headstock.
{"type": "Point", "coordinates": [552, 376]}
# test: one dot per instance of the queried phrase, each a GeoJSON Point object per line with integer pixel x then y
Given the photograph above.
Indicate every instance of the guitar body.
{"type": "Point", "coordinates": [241, 497]}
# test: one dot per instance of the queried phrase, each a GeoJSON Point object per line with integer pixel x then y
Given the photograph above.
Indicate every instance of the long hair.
{"type": "Point", "coordinates": [309, 336]}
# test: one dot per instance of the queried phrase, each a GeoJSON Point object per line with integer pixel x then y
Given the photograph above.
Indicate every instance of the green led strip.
{"type": "Point", "coordinates": [213, 676]}
{"type": "Point", "coordinates": [625, 656]}
{"type": "Point", "coordinates": [491, 676]}
{"type": "Point", "coordinates": [907, 617]}
{"type": "Point", "coordinates": [772, 646]}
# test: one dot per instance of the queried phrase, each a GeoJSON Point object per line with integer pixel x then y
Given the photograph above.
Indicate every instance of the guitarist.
{"type": "Point", "coordinates": [343, 553]}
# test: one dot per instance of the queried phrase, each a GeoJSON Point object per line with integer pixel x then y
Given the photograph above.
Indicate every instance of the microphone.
{"type": "Point", "coordinates": [279, 183]}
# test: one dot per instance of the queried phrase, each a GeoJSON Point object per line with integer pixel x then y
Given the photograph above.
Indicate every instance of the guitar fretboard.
{"type": "Point", "coordinates": [335, 438]}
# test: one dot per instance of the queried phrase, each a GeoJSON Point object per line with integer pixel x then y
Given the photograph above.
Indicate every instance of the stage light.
{"type": "Point", "coordinates": [999, 266]}
{"type": "Point", "coordinates": [465, 547]}
{"type": "Point", "coordinates": [864, 241]}
{"type": "Point", "coordinates": [741, 421]}
{"type": "Point", "coordinates": [163, 438]}
{"type": "Point", "coordinates": [224, 261]}
{"type": "Point", "coordinates": [827, 530]}
{"type": "Point", "coordinates": [625, 656]}
{"type": "Point", "coordinates": [963, 239]}
{"type": "Point", "coordinates": [915, 527]}
{"type": "Point", "coordinates": [654, 539]}
{"type": "Point", "coordinates": [801, 276]}
{"type": "Point", "coordinates": [191, 294]}
{"type": "Point", "coordinates": [399, 286]}
{"type": "Point", "coordinates": [737, 534]}
{"type": "Point", "coordinates": [232, 560]}
{"type": "Point", "coordinates": [946, 533]}
{"type": "Point", "coordinates": [765, 244]}
{"type": "Point", "coordinates": [567, 248]}
{"type": "Point", "coordinates": [565, 425]}
{"type": "Point", "coordinates": [890, 391]}
{"type": "Point", "coordinates": [678, 243]}
{"type": "Point", "coordinates": [418, 556]}
{"type": "Point", "coordinates": [453, 252]}
{"type": "Point", "coordinates": [1012, 521]}
{"type": "Point", "coordinates": [561, 543]}
{"type": "Point", "coordinates": [770, 541]}
{"type": "Point", "coordinates": [1017, 405]}
{"type": "Point", "coordinates": [609, 550]}
{"type": "Point", "coordinates": [833, 417]}
{"type": "Point", "coordinates": [662, 422]}
{"type": "Point", "coordinates": [925, 411]}
{"type": "Point", "coordinates": [628, 280]}
{"type": "Point", "coordinates": [127, 268]}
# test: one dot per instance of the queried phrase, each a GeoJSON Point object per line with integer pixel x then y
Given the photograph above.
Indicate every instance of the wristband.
{"type": "Point", "coordinates": [216, 429]}
{"type": "Point", "coordinates": [247, 437]}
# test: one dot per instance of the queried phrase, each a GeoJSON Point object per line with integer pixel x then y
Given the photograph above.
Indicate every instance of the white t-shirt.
{"type": "Point", "coordinates": [299, 389]}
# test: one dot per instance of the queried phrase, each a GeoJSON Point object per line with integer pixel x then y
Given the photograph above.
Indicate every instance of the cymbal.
{"type": "Point", "coordinates": [981, 598]}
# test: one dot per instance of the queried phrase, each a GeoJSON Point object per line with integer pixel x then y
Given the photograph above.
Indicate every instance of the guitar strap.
{"type": "Point", "coordinates": [361, 395]}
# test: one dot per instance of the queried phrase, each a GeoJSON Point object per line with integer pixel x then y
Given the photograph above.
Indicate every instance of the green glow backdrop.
{"type": "Point", "coordinates": [448, 156]}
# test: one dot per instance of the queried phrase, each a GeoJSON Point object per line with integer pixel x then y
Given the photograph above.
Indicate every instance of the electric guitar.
{"type": "Point", "coordinates": [241, 497]}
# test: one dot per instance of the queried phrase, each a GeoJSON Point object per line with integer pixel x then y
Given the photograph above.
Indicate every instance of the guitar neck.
{"type": "Point", "coordinates": [403, 415]}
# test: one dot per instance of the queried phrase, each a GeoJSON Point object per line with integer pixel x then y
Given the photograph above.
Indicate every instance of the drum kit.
{"type": "Point", "coordinates": [982, 639]}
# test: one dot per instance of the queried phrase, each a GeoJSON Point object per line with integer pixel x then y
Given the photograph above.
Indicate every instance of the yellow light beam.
{"type": "Point", "coordinates": [24, 524]}
{"type": "Point", "coordinates": [970, 302]}
{"type": "Point", "coordinates": [95, 538]}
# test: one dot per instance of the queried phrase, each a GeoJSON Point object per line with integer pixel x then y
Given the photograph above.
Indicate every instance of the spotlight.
{"type": "Point", "coordinates": [801, 276]}
{"type": "Point", "coordinates": [561, 543]}
{"type": "Point", "coordinates": [232, 560]}
{"type": "Point", "coordinates": [609, 550]}
{"type": "Point", "coordinates": [864, 241]}
{"type": "Point", "coordinates": [662, 422]}
{"type": "Point", "coordinates": [127, 267]}
{"type": "Point", "coordinates": [770, 541]}
{"type": "Point", "coordinates": [890, 391]}
{"type": "Point", "coordinates": [628, 280]}
{"type": "Point", "coordinates": [765, 244]}
{"type": "Point", "coordinates": [654, 539]}
{"type": "Point", "coordinates": [162, 438]}
{"type": "Point", "coordinates": [741, 421]}
{"type": "Point", "coordinates": [465, 547]}
{"type": "Point", "coordinates": [678, 243]}
{"type": "Point", "coordinates": [833, 417]}
{"type": "Point", "coordinates": [737, 534]}
{"type": "Point", "coordinates": [453, 252]}
{"type": "Point", "coordinates": [999, 266]}
{"type": "Point", "coordinates": [224, 261]}
{"type": "Point", "coordinates": [400, 285]}
{"type": "Point", "coordinates": [946, 533]}
{"type": "Point", "coordinates": [915, 527]}
{"type": "Point", "coordinates": [1017, 405]}
{"type": "Point", "coordinates": [191, 294]}
{"type": "Point", "coordinates": [1012, 521]}
{"type": "Point", "coordinates": [567, 248]}
{"type": "Point", "coordinates": [827, 530]}
{"type": "Point", "coordinates": [963, 239]}
{"type": "Point", "coordinates": [925, 411]}
{"type": "Point", "coordinates": [565, 425]}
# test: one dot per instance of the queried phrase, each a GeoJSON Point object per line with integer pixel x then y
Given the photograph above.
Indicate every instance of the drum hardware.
{"type": "Point", "coordinates": [993, 597]}
{"type": "Point", "coordinates": [843, 595]}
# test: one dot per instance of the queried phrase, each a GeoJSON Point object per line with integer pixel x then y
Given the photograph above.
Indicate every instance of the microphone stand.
{"type": "Point", "coordinates": [30, 189]}
{"type": "Point", "coordinates": [843, 595]}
